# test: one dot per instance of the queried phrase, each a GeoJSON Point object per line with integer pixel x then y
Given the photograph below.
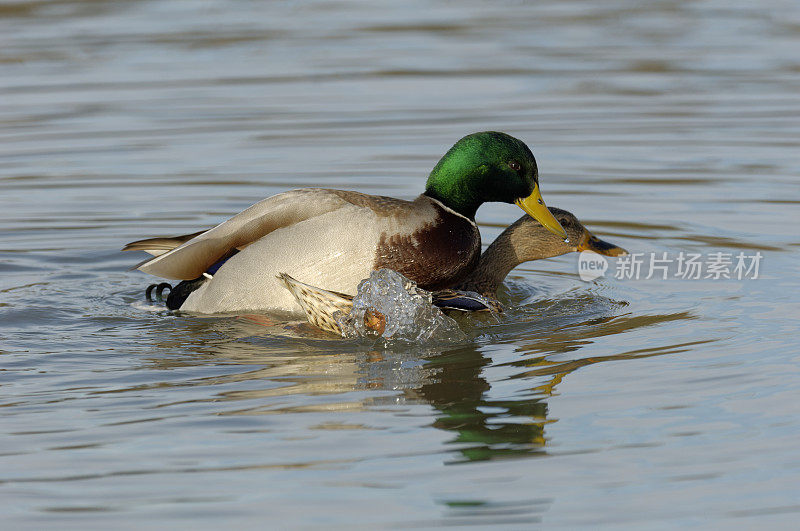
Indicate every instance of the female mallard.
{"type": "Point", "coordinates": [522, 241]}
{"type": "Point", "coordinates": [334, 238]}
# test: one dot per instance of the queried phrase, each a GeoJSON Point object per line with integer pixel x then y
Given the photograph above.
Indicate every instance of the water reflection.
{"type": "Point", "coordinates": [324, 375]}
{"type": "Point", "coordinates": [498, 428]}
{"type": "Point", "coordinates": [485, 428]}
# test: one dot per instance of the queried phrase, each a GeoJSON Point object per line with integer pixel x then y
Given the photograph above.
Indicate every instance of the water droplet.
{"type": "Point", "coordinates": [405, 312]}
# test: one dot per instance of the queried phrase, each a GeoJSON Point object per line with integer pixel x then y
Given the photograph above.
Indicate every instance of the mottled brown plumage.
{"type": "Point", "coordinates": [525, 240]}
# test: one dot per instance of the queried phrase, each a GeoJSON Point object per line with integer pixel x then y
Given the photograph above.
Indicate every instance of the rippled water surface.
{"type": "Point", "coordinates": [666, 126]}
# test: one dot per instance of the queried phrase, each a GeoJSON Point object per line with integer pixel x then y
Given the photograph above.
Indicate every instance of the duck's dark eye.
{"type": "Point", "coordinates": [514, 165]}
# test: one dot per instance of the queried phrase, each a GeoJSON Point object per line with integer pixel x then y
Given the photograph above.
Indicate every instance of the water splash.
{"type": "Point", "coordinates": [391, 306]}
{"type": "Point", "coordinates": [147, 306]}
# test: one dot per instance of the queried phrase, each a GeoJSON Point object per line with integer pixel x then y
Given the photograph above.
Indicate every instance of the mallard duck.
{"type": "Point", "coordinates": [523, 241]}
{"type": "Point", "coordinates": [334, 238]}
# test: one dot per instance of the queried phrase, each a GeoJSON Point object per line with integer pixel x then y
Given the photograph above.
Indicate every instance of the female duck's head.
{"type": "Point", "coordinates": [490, 166]}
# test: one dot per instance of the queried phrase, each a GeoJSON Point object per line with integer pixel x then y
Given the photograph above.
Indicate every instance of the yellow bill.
{"type": "Point", "coordinates": [536, 208]}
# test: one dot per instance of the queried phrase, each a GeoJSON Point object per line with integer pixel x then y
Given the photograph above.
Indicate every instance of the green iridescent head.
{"type": "Point", "coordinates": [490, 166]}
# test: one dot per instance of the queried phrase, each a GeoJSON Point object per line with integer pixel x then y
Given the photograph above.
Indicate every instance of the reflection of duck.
{"type": "Point", "coordinates": [318, 384]}
{"type": "Point", "coordinates": [334, 238]}
{"type": "Point", "coordinates": [522, 241]}
{"type": "Point", "coordinates": [484, 427]}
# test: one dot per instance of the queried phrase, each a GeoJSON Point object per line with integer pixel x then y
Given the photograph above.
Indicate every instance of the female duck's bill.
{"type": "Point", "coordinates": [590, 242]}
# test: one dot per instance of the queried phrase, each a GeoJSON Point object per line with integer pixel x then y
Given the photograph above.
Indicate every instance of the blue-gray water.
{"type": "Point", "coordinates": [667, 126]}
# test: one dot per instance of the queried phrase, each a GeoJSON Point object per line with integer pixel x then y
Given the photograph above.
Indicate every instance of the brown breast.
{"type": "Point", "coordinates": [437, 255]}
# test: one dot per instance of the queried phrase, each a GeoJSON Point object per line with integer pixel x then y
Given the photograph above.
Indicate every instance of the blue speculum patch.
{"type": "Point", "coordinates": [216, 265]}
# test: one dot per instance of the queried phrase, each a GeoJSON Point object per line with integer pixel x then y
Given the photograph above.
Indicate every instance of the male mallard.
{"type": "Point", "coordinates": [523, 241]}
{"type": "Point", "coordinates": [335, 238]}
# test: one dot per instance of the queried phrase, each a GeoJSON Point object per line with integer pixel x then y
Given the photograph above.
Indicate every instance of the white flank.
{"type": "Point", "coordinates": [334, 251]}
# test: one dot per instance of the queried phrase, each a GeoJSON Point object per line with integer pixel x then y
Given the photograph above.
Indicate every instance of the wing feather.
{"type": "Point", "coordinates": [158, 246]}
{"type": "Point", "coordinates": [465, 301]}
{"type": "Point", "coordinates": [193, 257]}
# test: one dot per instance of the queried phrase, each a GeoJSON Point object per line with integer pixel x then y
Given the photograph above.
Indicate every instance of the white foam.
{"type": "Point", "coordinates": [408, 311]}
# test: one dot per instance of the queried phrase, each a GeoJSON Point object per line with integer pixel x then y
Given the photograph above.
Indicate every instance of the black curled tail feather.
{"type": "Point", "coordinates": [159, 289]}
{"type": "Point", "coordinates": [177, 294]}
